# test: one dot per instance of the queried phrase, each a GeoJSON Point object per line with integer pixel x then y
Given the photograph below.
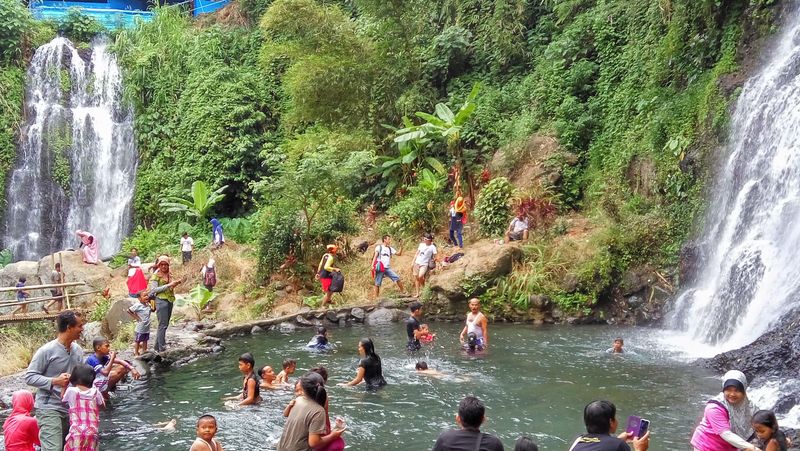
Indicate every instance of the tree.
{"type": "Point", "coordinates": [447, 126]}
{"type": "Point", "coordinates": [199, 202]}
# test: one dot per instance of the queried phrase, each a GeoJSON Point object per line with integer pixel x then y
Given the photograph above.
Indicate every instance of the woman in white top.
{"type": "Point", "coordinates": [424, 259]}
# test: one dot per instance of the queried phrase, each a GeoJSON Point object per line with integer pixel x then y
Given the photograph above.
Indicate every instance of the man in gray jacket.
{"type": "Point", "coordinates": [49, 372]}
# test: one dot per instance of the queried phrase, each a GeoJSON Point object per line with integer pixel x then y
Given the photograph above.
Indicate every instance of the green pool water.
{"type": "Point", "coordinates": [534, 381]}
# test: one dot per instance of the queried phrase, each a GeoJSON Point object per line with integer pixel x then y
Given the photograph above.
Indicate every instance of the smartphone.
{"type": "Point", "coordinates": [644, 425]}
{"type": "Point", "coordinates": [634, 423]}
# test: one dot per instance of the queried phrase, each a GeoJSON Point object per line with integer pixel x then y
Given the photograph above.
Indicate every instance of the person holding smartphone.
{"type": "Point", "coordinates": [600, 418]}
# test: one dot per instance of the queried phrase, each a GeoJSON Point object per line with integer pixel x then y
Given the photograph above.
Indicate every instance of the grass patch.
{"type": "Point", "coordinates": [18, 343]}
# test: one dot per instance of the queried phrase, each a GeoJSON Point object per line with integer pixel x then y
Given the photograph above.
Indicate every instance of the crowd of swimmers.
{"type": "Point", "coordinates": [72, 389]}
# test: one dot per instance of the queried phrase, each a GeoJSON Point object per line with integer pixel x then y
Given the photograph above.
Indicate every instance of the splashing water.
{"type": "Point", "coordinates": [77, 158]}
{"type": "Point", "coordinates": [749, 276]}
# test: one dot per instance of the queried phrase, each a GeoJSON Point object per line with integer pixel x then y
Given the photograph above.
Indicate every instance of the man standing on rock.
{"type": "Point", "coordinates": [380, 265]}
{"type": "Point", "coordinates": [49, 372]}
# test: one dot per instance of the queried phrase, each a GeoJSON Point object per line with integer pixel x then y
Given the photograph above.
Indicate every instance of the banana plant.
{"type": "Point", "coordinates": [444, 125]}
{"type": "Point", "coordinates": [199, 202]}
{"type": "Point", "coordinates": [401, 169]}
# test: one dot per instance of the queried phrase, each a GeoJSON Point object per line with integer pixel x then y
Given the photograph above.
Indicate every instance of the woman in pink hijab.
{"type": "Point", "coordinates": [90, 250]}
{"type": "Point", "coordinates": [20, 429]}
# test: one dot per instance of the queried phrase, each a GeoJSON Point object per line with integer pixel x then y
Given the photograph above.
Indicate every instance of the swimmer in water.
{"type": "Point", "coordinates": [616, 348]}
{"type": "Point", "coordinates": [267, 375]}
{"type": "Point", "coordinates": [422, 368]}
{"type": "Point", "coordinates": [477, 325]}
{"type": "Point", "coordinates": [320, 341]}
{"type": "Point", "coordinates": [167, 426]}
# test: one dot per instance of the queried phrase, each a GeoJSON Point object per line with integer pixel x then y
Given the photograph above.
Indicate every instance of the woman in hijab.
{"type": "Point", "coordinates": [217, 237]}
{"type": "Point", "coordinates": [20, 430]}
{"type": "Point", "coordinates": [162, 286]}
{"type": "Point", "coordinates": [89, 248]}
{"type": "Point", "coordinates": [726, 422]}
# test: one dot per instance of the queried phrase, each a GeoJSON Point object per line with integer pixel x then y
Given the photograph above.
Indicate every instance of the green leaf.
{"type": "Point", "coordinates": [436, 165]}
{"type": "Point", "coordinates": [408, 158]}
{"type": "Point", "coordinates": [432, 120]}
{"type": "Point", "coordinates": [416, 134]}
{"type": "Point", "coordinates": [444, 113]}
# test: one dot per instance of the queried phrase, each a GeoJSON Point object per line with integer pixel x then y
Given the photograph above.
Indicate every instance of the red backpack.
{"type": "Point", "coordinates": [210, 278]}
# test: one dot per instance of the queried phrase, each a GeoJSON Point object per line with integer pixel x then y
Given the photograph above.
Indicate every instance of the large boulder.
{"type": "Point", "coordinates": [10, 274]}
{"type": "Point", "coordinates": [97, 277]}
{"type": "Point", "coordinates": [118, 315]}
{"type": "Point", "coordinates": [473, 273]}
{"type": "Point", "coordinates": [381, 316]}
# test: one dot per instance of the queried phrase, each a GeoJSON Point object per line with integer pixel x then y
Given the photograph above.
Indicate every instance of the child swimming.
{"type": "Point", "coordinates": [320, 340]}
{"type": "Point", "coordinates": [289, 365]}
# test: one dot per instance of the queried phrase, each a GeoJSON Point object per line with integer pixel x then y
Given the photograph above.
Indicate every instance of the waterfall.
{"type": "Point", "coordinates": [750, 273]}
{"type": "Point", "coordinates": [76, 163]}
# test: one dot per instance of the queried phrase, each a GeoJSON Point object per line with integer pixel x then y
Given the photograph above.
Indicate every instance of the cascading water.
{"type": "Point", "coordinates": [77, 159]}
{"type": "Point", "coordinates": [750, 274]}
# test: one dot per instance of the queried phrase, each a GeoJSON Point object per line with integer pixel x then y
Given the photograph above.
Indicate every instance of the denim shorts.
{"type": "Point", "coordinates": [389, 273]}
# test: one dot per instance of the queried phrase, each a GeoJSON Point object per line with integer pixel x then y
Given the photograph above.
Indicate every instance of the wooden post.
{"type": "Point", "coordinates": [63, 280]}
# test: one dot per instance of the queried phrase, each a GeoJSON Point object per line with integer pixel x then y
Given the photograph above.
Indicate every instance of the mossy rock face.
{"type": "Point", "coordinates": [475, 272]}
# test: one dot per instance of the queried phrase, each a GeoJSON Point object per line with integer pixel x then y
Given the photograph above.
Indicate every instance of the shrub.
{"type": "Point", "coordinates": [15, 19]}
{"type": "Point", "coordinates": [420, 210]}
{"type": "Point", "coordinates": [80, 27]}
{"type": "Point", "coordinates": [279, 236]}
{"type": "Point", "coordinates": [493, 209]}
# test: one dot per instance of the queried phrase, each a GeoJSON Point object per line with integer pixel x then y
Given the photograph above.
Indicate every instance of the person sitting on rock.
{"type": "Point", "coordinates": [108, 369]}
{"type": "Point", "coordinates": [518, 229]}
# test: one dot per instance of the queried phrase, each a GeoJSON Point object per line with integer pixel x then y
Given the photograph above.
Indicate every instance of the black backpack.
{"type": "Point", "coordinates": [337, 284]}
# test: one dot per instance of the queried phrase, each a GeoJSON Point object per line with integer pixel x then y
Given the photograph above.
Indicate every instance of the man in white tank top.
{"type": "Point", "coordinates": [476, 324]}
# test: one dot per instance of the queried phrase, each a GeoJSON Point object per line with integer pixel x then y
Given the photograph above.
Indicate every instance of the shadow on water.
{"type": "Point", "coordinates": [534, 381]}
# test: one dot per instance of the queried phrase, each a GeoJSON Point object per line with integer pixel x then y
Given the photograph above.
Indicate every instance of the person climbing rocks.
{"type": "Point", "coordinates": [89, 247]}
{"type": "Point", "coordinates": [217, 235]}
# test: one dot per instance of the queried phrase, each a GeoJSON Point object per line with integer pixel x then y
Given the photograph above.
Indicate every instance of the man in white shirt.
{"type": "Point", "coordinates": [518, 229]}
{"type": "Point", "coordinates": [187, 246]}
{"type": "Point", "coordinates": [424, 259]}
{"type": "Point", "coordinates": [381, 260]}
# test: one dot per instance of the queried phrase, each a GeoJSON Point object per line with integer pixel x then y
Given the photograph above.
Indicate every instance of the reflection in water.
{"type": "Point", "coordinates": [534, 381]}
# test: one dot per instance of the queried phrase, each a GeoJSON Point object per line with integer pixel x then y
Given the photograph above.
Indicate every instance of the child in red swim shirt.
{"type": "Point", "coordinates": [426, 336]}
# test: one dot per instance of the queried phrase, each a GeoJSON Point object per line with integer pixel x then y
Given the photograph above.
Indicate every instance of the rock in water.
{"type": "Point", "coordinates": [380, 316]}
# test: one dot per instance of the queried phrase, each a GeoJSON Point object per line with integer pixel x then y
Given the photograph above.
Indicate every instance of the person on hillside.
{"type": "Point", "coordinates": [134, 261]}
{"type": "Point", "coordinates": [424, 260]}
{"type": "Point", "coordinates": [324, 270]}
{"type": "Point", "coordinates": [56, 277]}
{"type": "Point", "coordinates": [89, 247]}
{"type": "Point", "coordinates": [600, 418]}
{"type": "Point", "coordinates": [726, 423]}
{"type": "Point", "coordinates": [136, 282]}
{"type": "Point", "coordinates": [162, 286]}
{"type": "Point", "coordinates": [20, 430]}
{"type": "Point", "coordinates": [305, 426]}
{"type": "Point", "coordinates": [517, 229]}
{"type": "Point", "coordinates": [49, 371]}
{"type": "Point", "coordinates": [217, 235]}
{"type": "Point", "coordinates": [209, 274]}
{"type": "Point", "coordinates": [471, 414]}
{"type": "Point", "coordinates": [458, 208]}
{"type": "Point", "coordinates": [413, 329]}
{"type": "Point", "coordinates": [369, 368]}
{"type": "Point", "coordinates": [381, 261]}
{"type": "Point", "coordinates": [477, 325]}
{"type": "Point", "coordinates": [187, 246]}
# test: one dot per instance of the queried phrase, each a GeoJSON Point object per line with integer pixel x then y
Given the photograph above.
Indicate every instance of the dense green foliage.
{"type": "Point", "coordinates": [305, 113]}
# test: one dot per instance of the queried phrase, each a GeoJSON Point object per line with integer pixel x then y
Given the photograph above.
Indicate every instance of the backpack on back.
{"type": "Point", "coordinates": [210, 277]}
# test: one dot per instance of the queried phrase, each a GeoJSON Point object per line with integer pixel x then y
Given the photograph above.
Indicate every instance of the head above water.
{"type": "Point", "coordinates": [525, 444]}
{"type": "Point", "coordinates": [322, 371]}
{"type": "Point", "coordinates": [247, 359]}
{"type": "Point", "coordinates": [267, 373]}
{"type": "Point", "coordinates": [422, 365]}
{"type": "Point", "coordinates": [471, 412]}
{"type": "Point", "coordinates": [368, 346]}
{"type": "Point", "coordinates": [206, 427]}
{"type": "Point", "coordinates": [600, 417]}
{"type": "Point", "coordinates": [322, 331]}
